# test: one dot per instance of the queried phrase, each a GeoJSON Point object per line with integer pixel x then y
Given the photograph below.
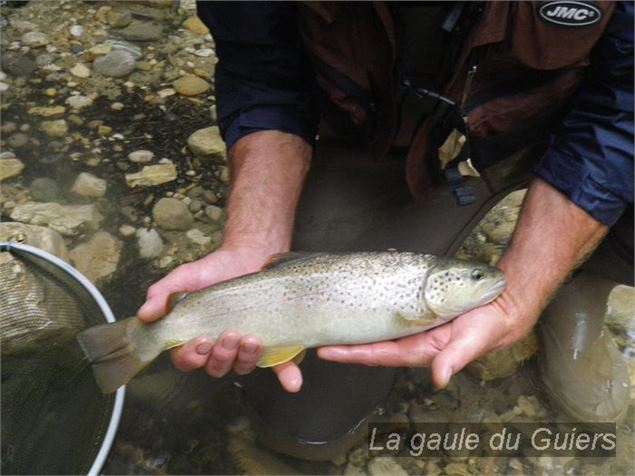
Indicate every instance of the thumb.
{"type": "Point", "coordinates": [158, 301]}
{"type": "Point", "coordinates": [453, 358]}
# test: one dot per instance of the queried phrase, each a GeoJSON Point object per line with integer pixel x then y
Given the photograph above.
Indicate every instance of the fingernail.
{"type": "Point", "coordinates": [230, 342]}
{"type": "Point", "coordinates": [204, 348]}
{"type": "Point", "coordinates": [250, 347]}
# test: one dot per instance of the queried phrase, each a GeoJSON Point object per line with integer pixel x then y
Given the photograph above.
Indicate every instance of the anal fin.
{"type": "Point", "coordinates": [279, 355]}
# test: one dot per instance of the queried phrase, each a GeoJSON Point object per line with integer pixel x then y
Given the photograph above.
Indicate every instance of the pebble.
{"type": "Point", "coordinates": [164, 93]}
{"type": "Point", "coordinates": [141, 31]}
{"type": "Point", "coordinates": [214, 213]}
{"type": "Point", "coordinates": [122, 45]}
{"type": "Point", "coordinates": [97, 259]}
{"type": "Point", "coordinates": [204, 52]}
{"type": "Point", "coordinates": [35, 39]}
{"type": "Point", "coordinates": [149, 242]}
{"type": "Point", "coordinates": [127, 230]}
{"type": "Point", "coordinates": [210, 197]}
{"type": "Point", "coordinates": [57, 128]}
{"type": "Point", "coordinates": [80, 70]}
{"type": "Point", "coordinates": [68, 220]}
{"type": "Point", "coordinates": [119, 18]}
{"type": "Point", "coordinates": [198, 237]}
{"type": "Point", "coordinates": [152, 175]}
{"type": "Point", "coordinates": [4, 87]}
{"type": "Point", "coordinates": [206, 142]}
{"type": "Point", "coordinates": [195, 25]}
{"type": "Point", "coordinates": [195, 205]}
{"type": "Point", "coordinates": [141, 156]}
{"type": "Point", "coordinates": [44, 189]}
{"type": "Point", "coordinates": [47, 111]}
{"type": "Point", "coordinates": [79, 102]}
{"type": "Point", "coordinates": [172, 214]}
{"type": "Point", "coordinates": [99, 50]}
{"type": "Point", "coordinates": [117, 106]}
{"type": "Point", "coordinates": [17, 140]}
{"type": "Point", "coordinates": [116, 64]}
{"type": "Point", "coordinates": [10, 168]}
{"type": "Point", "coordinates": [87, 185]}
{"type": "Point", "coordinates": [382, 466]}
{"type": "Point", "coordinates": [17, 65]}
{"type": "Point", "coordinates": [190, 85]}
{"type": "Point", "coordinates": [76, 31]}
{"type": "Point", "coordinates": [223, 174]}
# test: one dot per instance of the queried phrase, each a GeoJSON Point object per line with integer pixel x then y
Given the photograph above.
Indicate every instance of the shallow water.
{"type": "Point", "coordinates": [190, 424]}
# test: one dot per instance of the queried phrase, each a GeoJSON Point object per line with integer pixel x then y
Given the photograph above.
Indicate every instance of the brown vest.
{"type": "Point", "coordinates": [529, 62]}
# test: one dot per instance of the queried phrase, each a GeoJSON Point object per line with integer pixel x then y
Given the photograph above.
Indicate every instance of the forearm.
{"type": "Point", "coordinates": [552, 237]}
{"type": "Point", "coordinates": [268, 169]}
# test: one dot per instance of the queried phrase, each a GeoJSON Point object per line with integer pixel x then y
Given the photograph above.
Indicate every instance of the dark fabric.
{"type": "Point", "coordinates": [262, 79]}
{"type": "Point", "coordinates": [591, 156]}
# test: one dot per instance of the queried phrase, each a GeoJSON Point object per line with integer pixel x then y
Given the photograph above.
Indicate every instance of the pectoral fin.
{"type": "Point", "coordinates": [175, 298]}
{"type": "Point", "coordinates": [279, 355]}
{"type": "Point", "coordinates": [407, 320]}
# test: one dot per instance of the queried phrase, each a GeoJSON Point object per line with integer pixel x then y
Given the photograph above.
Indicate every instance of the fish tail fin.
{"type": "Point", "coordinates": [110, 350]}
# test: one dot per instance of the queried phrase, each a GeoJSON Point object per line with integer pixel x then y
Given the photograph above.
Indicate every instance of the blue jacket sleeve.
{"type": "Point", "coordinates": [591, 155]}
{"type": "Point", "coordinates": [263, 80]}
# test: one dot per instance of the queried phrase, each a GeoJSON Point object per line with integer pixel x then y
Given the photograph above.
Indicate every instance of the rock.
{"type": "Point", "coordinates": [207, 141]}
{"type": "Point", "coordinates": [190, 85]}
{"type": "Point", "coordinates": [4, 87]}
{"type": "Point", "coordinates": [223, 174]}
{"type": "Point", "coordinates": [352, 470]}
{"type": "Point", "coordinates": [210, 197]}
{"type": "Point", "coordinates": [76, 30]}
{"type": "Point", "coordinates": [97, 259]}
{"type": "Point", "coordinates": [121, 45]}
{"type": "Point", "coordinates": [87, 185]}
{"type": "Point", "coordinates": [44, 189]}
{"type": "Point", "coordinates": [195, 25]}
{"type": "Point", "coordinates": [149, 242]}
{"type": "Point", "coordinates": [10, 168]}
{"type": "Point", "coordinates": [382, 466]}
{"type": "Point", "coordinates": [214, 213]}
{"type": "Point", "coordinates": [17, 65]}
{"type": "Point", "coordinates": [198, 237]}
{"type": "Point", "coordinates": [116, 64]}
{"type": "Point", "coordinates": [47, 111]}
{"type": "Point", "coordinates": [152, 175]}
{"type": "Point", "coordinates": [79, 102]}
{"type": "Point", "coordinates": [172, 214]}
{"type": "Point", "coordinates": [35, 39]}
{"type": "Point", "coordinates": [204, 52]}
{"type": "Point", "coordinates": [38, 236]}
{"type": "Point", "coordinates": [167, 92]}
{"type": "Point", "coordinates": [99, 50]}
{"type": "Point", "coordinates": [56, 128]}
{"type": "Point", "coordinates": [117, 106]}
{"type": "Point", "coordinates": [141, 31]}
{"type": "Point", "coordinates": [69, 220]}
{"type": "Point", "coordinates": [141, 156]}
{"type": "Point", "coordinates": [119, 18]}
{"type": "Point", "coordinates": [17, 140]}
{"type": "Point", "coordinates": [80, 70]}
{"type": "Point", "coordinates": [127, 230]}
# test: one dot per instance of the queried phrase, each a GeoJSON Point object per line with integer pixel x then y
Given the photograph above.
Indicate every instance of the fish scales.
{"type": "Point", "coordinates": [303, 301]}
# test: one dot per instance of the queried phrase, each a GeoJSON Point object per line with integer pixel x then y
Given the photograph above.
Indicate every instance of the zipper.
{"type": "Point", "coordinates": [468, 86]}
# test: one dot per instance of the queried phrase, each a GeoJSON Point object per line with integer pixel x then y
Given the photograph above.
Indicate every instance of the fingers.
{"type": "Point", "coordinates": [192, 355]}
{"type": "Point", "coordinates": [248, 355]}
{"type": "Point", "coordinates": [223, 354]}
{"type": "Point", "coordinates": [158, 298]}
{"type": "Point", "coordinates": [290, 376]}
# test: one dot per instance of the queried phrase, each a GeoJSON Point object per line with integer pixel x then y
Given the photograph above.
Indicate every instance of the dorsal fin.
{"type": "Point", "coordinates": [292, 257]}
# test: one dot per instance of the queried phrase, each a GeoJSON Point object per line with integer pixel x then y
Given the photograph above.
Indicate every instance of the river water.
{"type": "Point", "coordinates": [79, 124]}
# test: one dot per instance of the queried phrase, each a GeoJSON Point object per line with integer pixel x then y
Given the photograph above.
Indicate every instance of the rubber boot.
{"type": "Point", "coordinates": [581, 367]}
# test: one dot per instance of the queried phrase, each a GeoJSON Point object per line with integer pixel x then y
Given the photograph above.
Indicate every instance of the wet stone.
{"type": "Point", "coordinates": [214, 213]}
{"type": "Point", "coordinates": [382, 466]}
{"type": "Point", "coordinates": [97, 259]}
{"type": "Point", "coordinates": [172, 214]}
{"type": "Point", "coordinates": [190, 85]}
{"type": "Point", "coordinates": [127, 230]}
{"type": "Point", "coordinates": [38, 236]}
{"type": "Point", "coordinates": [17, 65]}
{"type": "Point", "coordinates": [56, 128]}
{"type": "Point", "coordinates": [80, 70]}
{"type": "Point", "coordinates": [152, 175]}
{"type": "Point", "coordinates": [47, 111]}
{"type": "Point", "coordinates": [10, 168]}
{"type": "Point", "coordinates": [207, 142]}
{"type": "Point", "coordinates": [18, 140]}
{"type": "Point", "coordinates": [141, 31]}
{"type": "Point", "coordinates": [119, 18]}
{"type": "Point", "coordinates": [69, 220]}
{"type": "Point", "coordinates": [198, 237]}
{"type": "Point", "coordinates": [195, 25]}
{"type": "Point", "coordinates": [35, 39]}
{"type": "Point", "coordinates": [116, 64]}
{"type": "Point", "coordinates": [44, 189]}
{"type": "Point", "coordinates": [87, 185]}
{"type": "Point", "coordinates": [79, 102]}
{"type": "Point", "coordinates": [149, 242]}
{"type": "Point", "coordinates": [141, 156]}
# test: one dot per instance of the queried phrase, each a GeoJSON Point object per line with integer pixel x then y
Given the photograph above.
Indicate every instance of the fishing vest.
{"type": "Point", "coordinates": [509, 72]}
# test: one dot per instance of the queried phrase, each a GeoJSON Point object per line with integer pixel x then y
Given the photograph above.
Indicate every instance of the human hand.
{"type": "Point", "coordinates": [447, 348]}
{"type": "Point", "coordinates": [231, 350]}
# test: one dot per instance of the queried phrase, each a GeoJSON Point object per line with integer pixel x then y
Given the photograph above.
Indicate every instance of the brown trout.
{"type": "Point", "coordinates": [299, 301]}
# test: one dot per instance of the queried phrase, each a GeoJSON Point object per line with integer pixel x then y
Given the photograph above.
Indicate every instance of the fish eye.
{"type": "Point", "coordinates": [476, 275]}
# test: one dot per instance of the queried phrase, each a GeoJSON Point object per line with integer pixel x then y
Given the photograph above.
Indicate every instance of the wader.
{"type": "Point", "coordinates": [351, 202]}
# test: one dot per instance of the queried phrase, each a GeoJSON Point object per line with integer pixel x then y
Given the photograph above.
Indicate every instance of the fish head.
{"type": "Point", "coordinates": [453, 287]}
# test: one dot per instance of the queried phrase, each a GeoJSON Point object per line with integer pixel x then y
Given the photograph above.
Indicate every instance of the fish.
{"type": "Point", "coordinates": [300, 301]}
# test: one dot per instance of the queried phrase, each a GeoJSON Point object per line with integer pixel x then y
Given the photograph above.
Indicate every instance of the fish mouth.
{"type": "Point", "coordinates": [494, 291]}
